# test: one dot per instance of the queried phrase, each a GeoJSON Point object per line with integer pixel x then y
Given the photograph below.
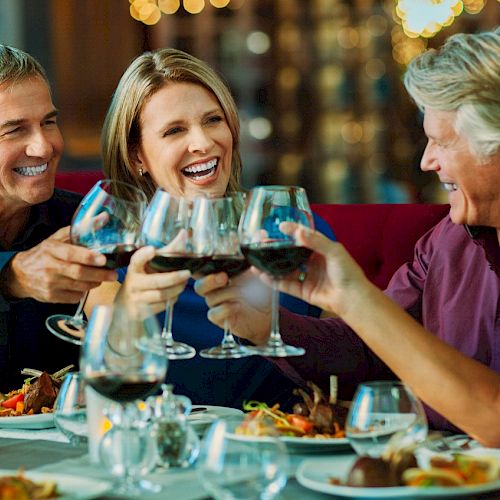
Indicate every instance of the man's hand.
{"type": "Point", "coordinates": [244, 302]}
{"type": "Point", "coordinates": [55, 271]}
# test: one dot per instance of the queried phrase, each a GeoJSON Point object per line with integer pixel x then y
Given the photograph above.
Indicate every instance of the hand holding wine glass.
{"type": "Point", "coordinates": [107, 221]}
{"type": "Point", "coordinates": [269, 249]}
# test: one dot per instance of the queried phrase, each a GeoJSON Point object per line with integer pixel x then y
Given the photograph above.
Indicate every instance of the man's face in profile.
{"type": "Point", "coordinates": [30, 143]}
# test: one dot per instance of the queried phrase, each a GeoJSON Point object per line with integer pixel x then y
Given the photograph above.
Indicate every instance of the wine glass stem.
{"type": "Point", "coordinates": [228, 339]}
{"type": "Point", "coordinates": [275, 337]}
{"type": "Point", "coordinates": [166, 333]}
{"type": "Point", "coordinates": [77, 319]}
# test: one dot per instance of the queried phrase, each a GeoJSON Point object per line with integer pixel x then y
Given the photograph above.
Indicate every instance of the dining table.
{"type": "Point", "coordinates": [48, 451]}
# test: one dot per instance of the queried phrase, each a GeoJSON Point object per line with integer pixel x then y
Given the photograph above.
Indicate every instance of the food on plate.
{"type": "Point", "coordinates": [19, 487]}
{"type": "Point", "coordinates": [460, 470]}
{"type": "Point", "coordinates": [400, 469]}
{"type": "Point", "coordinates": [314, 417]}
{"type": "Point", "coordinates": [37, 395]}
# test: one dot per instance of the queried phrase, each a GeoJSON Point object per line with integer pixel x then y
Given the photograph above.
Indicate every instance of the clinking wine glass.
{"type": "Point", "coordinates": [166, 227]}
{"type": "Point", "coordinates": [384, 416]}
{"type": "Point", "coordinates": [215, 229]}
{"type": "Point", "coordinates": [107, 221]}
{"type": "Point", "coordinates": [272, 251]}
{"type": "Point", "coordinates": [123, 359]}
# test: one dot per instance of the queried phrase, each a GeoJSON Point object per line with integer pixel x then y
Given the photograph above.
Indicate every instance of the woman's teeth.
{"type": "Point", "coordinates": [200, 171]}
{"type": "Point", "coordinates": [31, 171]}
{"type": "Point", "coordinates": [448, 186]}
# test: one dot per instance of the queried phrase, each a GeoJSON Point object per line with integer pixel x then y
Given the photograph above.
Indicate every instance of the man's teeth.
{"type": "Point", "coordinates": [31, 171]}
{"type": "Point", "coordinates": [201, 170]}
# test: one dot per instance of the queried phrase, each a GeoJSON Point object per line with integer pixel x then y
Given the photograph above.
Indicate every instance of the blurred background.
{"type": "Point", "coordinates": [317, 82]}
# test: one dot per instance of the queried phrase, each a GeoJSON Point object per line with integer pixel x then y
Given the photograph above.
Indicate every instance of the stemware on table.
{"type": "Point", "coordinates": [123, 359]}
{"type": "Point", "coordinates": [384, 414]}
{"type": "Point", "coordinates": [70, 408]}
{"type": "Point", "coordinates": [231, 466]}
{"type": "Point", "coordinates": [107, 221]}
{"type": "Point", "coordinates": [273, 252]}
{"type": "Point", "coordinates": [215, 222]}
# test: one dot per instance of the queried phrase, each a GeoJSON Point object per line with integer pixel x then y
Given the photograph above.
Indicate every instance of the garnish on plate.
{"type": "Point", "coordinates": [37, 395]}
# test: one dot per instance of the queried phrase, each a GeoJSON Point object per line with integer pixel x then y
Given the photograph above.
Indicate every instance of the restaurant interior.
{"type": "Point", "coordinates": [318, 86]}
{"type": "Point", "coordinates": [317, 82]}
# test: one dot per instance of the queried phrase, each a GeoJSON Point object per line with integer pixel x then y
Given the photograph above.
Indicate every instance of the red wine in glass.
{"type": "Point", "coordinates": [124, 388]}
{"type": "Point", "coordinates": [275, 257]}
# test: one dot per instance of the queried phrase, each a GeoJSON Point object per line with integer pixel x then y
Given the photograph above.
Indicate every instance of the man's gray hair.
{"type": "Point", "coordinates": [16, 65]}
{"type": "Point", "coordinates": [462, 76]}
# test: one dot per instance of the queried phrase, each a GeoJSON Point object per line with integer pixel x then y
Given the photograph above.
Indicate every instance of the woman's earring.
{"type": "Point", "coordinates": [141, 171]}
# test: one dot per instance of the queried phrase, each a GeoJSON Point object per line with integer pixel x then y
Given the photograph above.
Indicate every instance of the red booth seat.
{"type": "Point", "coordinates": [380, 237]}
{"type": "Point", "coordinates": [78, 182]}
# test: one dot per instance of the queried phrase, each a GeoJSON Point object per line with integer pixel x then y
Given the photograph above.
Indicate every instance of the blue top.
{"type": "Point", "coordinates": [226, 382]}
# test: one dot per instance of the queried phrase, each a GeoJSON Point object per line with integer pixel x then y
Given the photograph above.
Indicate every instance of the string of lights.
{"type": "Point", "coordinates": [150, 11]}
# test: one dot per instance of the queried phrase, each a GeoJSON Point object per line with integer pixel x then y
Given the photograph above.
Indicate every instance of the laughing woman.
{"type": "Point", "coordinates": [173, 124]}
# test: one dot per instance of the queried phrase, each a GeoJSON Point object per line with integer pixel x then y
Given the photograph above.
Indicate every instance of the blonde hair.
{"type": "Point", "coordinates": [147, 74]}
{"type": "Point", "coordinates": [16, 65]}
{"type": "Point", "coordinates": [463, 76]}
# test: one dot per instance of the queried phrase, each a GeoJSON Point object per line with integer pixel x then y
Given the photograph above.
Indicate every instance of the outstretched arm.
{"type": "Point", "coordinates": [466, 392]}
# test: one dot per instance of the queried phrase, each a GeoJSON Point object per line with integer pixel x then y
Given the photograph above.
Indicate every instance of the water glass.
{"type": "Point", "coordinates": [70, 409]}
{"type": "Point", "coordinates": [232, 466]}
{"type": "Point", "coordinates": [385, 416]}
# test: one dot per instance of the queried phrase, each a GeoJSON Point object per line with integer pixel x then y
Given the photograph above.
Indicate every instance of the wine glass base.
{"type": "Point", "coordinates": [277, 351]}
{"type": "Point", "coordinates": [179, 350]}
{"type": "Point", "coordinates": [136, 488]}
{"type": "Point", "coordinates": [235, 351]}
{"type": "Point", "coordinates": [66, 328]}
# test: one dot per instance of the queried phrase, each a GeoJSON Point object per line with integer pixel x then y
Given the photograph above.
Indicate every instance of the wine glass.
{"type": "Point", "coordinates": [70, 409]}
{"type": "Point", "coordinates": [107, 221]}
{"type": "Point", "coordinates": [166, 227]}
{"type": "Point", "coordinates": [123, 359]}
{"type": "Point", "coordinates": [272, 251]}
{"type": "Point", "coordinates": [384, 414]}
{"type": "Point", "coordinates": [232, 466]}
{"type": "Point", "coordinates": [215, 220]}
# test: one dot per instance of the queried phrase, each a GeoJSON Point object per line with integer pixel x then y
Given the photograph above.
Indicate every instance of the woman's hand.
{"type": "Point", "coordinates": [144, 287]}
{"type": "Point", "coordinates": [243, 301]}
{"type": "Point", "coordinates": [333, 280]}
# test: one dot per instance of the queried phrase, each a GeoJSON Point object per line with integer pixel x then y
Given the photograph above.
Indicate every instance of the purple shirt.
{"type": "Point", "coordinates": [452, 287]}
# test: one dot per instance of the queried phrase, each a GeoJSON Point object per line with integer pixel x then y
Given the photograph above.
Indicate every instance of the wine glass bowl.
{"type": "Point", "coordinates": [270, 250]}
{"type": "Point", "coordinates": [384, 414]}
{"type": "Point", "coordinates": [107, 221]}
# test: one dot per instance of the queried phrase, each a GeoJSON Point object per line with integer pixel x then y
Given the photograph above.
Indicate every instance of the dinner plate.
{"type": "Point", "coordinates": [302, 444]}
{"type": "Point", "coordinates": [70, 487]}
{"type": "Point", "coordinates": [315, 474]}
{"type": "Point", "coordinates": [201, 420]}
{"type": "Point", "coordinates": [39, 421]}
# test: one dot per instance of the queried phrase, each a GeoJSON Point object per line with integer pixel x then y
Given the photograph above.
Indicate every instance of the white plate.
{"type": "Point", "coordinates": [39, 421]}
{"type": "Point", "coordinates": [70, 487]}
{"type": "Point", "coordinates": [201, 420]}
{"type": "Point", "coordinates": [314, 474]}
{"type": "Point", "coordinates": [302, 444]}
